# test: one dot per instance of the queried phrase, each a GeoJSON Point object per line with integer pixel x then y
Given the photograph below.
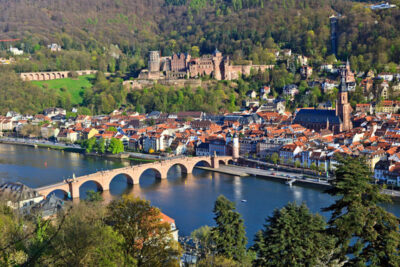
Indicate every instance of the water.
{"type": "Point", "coordinates": [189, 199]}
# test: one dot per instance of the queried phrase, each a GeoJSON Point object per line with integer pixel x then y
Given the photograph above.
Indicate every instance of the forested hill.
{"type": "Point", "coordinates": [237, 27]}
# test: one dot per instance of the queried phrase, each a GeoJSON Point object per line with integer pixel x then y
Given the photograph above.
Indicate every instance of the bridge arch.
{"type": "Point", "coordinates": [89, 185]}
{"type": "Point", "coordinates": [183, 168]}
{"type": "Point", "coordinates": [59, 193]}
{"type": "Point", "coordinates": [129, 179]}
{"type": "Point", "coordinates": [156, 172]}
{"type": "Point", "coordinates": [222, 162]}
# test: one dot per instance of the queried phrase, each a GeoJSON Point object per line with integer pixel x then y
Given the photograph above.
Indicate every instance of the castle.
{"type": "Point", "coordinates": [182, 65]}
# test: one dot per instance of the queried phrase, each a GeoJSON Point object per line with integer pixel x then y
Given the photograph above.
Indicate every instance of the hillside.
{"type": "Point", "coordinates": [68, 88]}
{"type": "Point", "coordinates": [237, 27]}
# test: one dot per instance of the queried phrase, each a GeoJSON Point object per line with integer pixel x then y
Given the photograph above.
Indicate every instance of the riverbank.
{"type": "Point", "coordinates": [41, 144]}
{"type": "Point", "coordinates": [287, 177]}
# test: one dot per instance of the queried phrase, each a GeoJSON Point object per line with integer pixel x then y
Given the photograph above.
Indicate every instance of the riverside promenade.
{"type": "Point", "coordinates": [296, 178]}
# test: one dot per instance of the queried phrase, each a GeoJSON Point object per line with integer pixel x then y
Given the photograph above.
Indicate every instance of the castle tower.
{"type": "Point", "coordinates": [154, 61]}
{"type": "Point", "coordinates": [217, 60]}
{"type": "Point", "coordinates": [235, 147]}
{"type": "Point", "coordinates": [343, 108]}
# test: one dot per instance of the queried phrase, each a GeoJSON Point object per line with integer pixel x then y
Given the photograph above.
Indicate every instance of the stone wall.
{"type": "Point", "coordinates": [51, 75]}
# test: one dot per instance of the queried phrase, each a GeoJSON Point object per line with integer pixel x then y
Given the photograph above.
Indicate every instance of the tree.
{"type": "Point", "coordinates": [293, 236]}
{"type": "Point", "coordinates": [101, 146]}
{"type": "Point", "coordinates": [297, 164]}
{"type": "Point", "coordinates": [89, 144]}
{"type": "Point", "coordinates": [147, 239]}
{"type": "Point", "coordinates": [92, 196]}
{"type": "Point", "coordinates": [112, 129]}
{"type": "Point", "coordinates": [203, 237]}
{"type": "Point", "coordinates": [313, 166]}
{"type": "Point", "coordinates": [275, 158]}
{"type": "Point", "coordinates": [84, 240]}
{"type": "Point", "coordinates": [229, 235]}
{"type": "Point", "coordinates": [116, 146]}
{"type": "Point", "coordinates": [365, 232]}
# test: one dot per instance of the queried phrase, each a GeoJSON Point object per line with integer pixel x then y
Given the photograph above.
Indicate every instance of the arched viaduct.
{"type": "Point", "coordinates": [51, 75]}
{"type": "Point", "coordinates": [103, 178]}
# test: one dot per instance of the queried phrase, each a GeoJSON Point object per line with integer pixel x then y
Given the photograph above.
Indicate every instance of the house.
{"type": "Point", "coordinates": [179, 146]}
{"type": "Point", "coordinates": [48, 131]}
{"type": "Point", "coordinates": [48, 207]}
{"type": "Point", "coordinates": [54, 47]}
{"type": "Point", "coordinates": [51, 112]}
{"type": "Point", "coordinates": [275, 106]}
{"type": "Point", "coordinates": [171, 222]}
{"type": "Point", "coordinates": [6, 125]}
{"type": "Point", "coordinates": [288, 152]}
{"type": "Point", "coordinates": [328, 68]}
{"type": "Point", "coordinates": [303, 60]}
{"type": "Point", "coordinates": [386, 76]}
{"type": "Point", "coordinates": [18, 195]}
{"type": "Point", "coordinates": [287, 52]}
{"type": "Point", "coordinates": [384, 90]}
{"type": "Point", "coordinates": [388, 106]}
{"type": "Point", "coordinates": [88, 133]}
{"type": "Point", "coordinates": [15, 51]}
{"type": "Point", "coordinates": [365, 108]}
{"type": "Point", "coordinates": [329, 85]}
{"type": "Point", "coordinates": [203, 149]}
{"type": "Point", "coordinates": [67, 136]}
{"type": "Point", "coordinates": [218, 146]}
{"type": "Point", "coordinates": [251, 94]}
{"type": "Point", "coordinates": [290, 90]}
{"type": "Point", "coordinates": [306, 71]}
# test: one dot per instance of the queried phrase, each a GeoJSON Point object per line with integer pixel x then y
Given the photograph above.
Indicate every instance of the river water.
{"type": "Point", "coordinates": [189, 199]}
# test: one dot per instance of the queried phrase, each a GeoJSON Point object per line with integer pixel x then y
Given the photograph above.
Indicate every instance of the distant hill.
{"type": "Point", "coordinates": [239, 28]}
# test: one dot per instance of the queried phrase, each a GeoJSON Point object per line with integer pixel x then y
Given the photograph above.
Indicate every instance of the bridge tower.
{"type": "Point", "coordinates": [235, 147]}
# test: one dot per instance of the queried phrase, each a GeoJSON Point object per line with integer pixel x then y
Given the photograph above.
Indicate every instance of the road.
{"type": "Point", "coordinates": [23, 141]}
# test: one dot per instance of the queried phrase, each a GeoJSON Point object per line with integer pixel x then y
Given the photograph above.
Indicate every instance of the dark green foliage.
{"type": "Point", "coordinates": [293, 236]}
{"type": "Point", "coordinates": [116, 146]}
{"type": "Point", "coordinates": [364, 231]}
{"type": "Point", "coordinates": [92, 196]}
{"type": "Point", "coordinates": [229, 235]}
{"type": "Point", "coordinates": [23, 96]}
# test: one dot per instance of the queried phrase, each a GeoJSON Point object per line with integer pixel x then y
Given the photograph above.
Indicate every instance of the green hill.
{"type": "Point", "coordinates": [75, 88]}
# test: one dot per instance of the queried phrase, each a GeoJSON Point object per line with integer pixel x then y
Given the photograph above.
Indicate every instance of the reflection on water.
{"type": "Point", "coordinates": [189, 199]}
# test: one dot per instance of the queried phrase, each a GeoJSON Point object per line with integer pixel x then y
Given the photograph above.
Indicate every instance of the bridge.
{"type": "Point", "coordinates": [133, 173]}
{"type": "Point", "coordinates": [52, 75]}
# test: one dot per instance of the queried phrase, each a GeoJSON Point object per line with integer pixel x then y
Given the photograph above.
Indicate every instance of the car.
{"type": "Point", "coordinates": [271, 169]}
{"type": "Point", "coordinates": [272, 173]}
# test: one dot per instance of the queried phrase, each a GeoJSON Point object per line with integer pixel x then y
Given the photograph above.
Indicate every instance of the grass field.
{"type": "Point", "coordinates": [75, 87]}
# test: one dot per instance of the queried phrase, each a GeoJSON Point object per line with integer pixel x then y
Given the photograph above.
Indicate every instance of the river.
{"type": "Point", "coordinates": [189, 199]}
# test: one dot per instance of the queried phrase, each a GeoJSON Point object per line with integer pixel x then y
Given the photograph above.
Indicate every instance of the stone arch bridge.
{"type": "Point", "coordinates": [51, 75]}
{"type": "Point", "coordinates": [103, 178]}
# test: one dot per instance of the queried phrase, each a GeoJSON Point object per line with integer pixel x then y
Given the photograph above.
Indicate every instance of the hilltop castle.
{"type": "Point", "coordinates": [182, 65]}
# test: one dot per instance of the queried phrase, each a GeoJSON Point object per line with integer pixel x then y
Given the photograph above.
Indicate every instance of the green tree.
{"type": "Point", "coordinates": [147, 239]}
{"type": "Point", "coordinates": [89, 144]}
{"type": "Point", "coordinates": [229, 235]}
{"type": "Point", "coordinates": [84, 240]}
{"type": "Point", "coordinates": [116, 146]}
{"type": "Point", "coordinates": [366, 233]}
{"type": "Point", "coordinates": [275, 158]}
{"type": "Point", "coordinates": [92, 196]}
{"type": "Point", "coordinates": [101, 146]}
{"type": "Point", "coordinates": [203, 237]}
{"type": "Point", "coordinates": [112, 129]}
{"type": "Point", "coordinates": [293, 236]}
{"type": "Point", "coordinates": [297, 164]}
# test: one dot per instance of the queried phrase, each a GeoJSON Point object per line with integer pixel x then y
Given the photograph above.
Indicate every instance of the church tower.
{"type": "Point", "coordinates": [343, 108]}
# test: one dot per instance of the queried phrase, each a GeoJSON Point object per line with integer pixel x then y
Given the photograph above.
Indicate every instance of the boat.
{"type": "Point", "coordinates": [244, 200]}
{"type": "Point", "coordinates": [290, 182]}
